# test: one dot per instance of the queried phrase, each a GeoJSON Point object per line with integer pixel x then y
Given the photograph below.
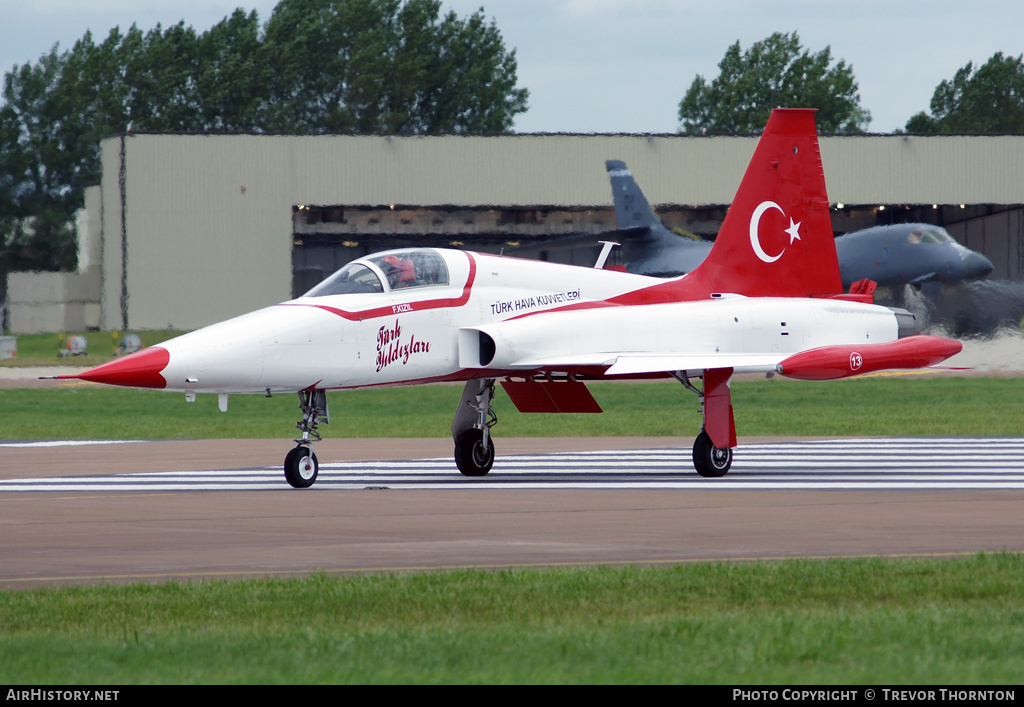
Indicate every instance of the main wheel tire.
{"type": "Point", "coordinates": [471, 455]}
{"type": "Point", "coordinates": [301, 467]}
{"type": "Point", "coordinates": [709, 460]}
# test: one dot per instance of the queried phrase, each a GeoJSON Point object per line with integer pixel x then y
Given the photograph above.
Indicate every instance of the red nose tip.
{"type": "Point", "coordinates": [138, 370]}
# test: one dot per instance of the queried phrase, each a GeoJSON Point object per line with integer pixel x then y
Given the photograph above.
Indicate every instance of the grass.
{"type": "Point", "coordinates": [871, 621]}
{"type": "Point", "coordinates": [45, 349]}
{"type": "Point", "coordinates": [876, 406]}
{"type": "Point", "coordinates": [868, 621]}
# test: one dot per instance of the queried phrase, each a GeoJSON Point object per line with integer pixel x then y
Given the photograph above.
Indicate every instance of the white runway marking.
{"type": "Point", "coordinates": [894, 463]}
{"type": "Point", "coordinates": [69, 443]}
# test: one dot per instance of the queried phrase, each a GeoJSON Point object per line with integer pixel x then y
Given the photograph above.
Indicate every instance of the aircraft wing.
{"type": "Point", "coordinates": [615, 340]}
{"type": "Point", "coordinates": [820, 363]}
{"type": "Point", "coordinates": [632, 363]}
{"type": "Point", "coordinates": [563, 363]}
{"type": "Point", "coordinates": [478, 346]}
{"type": "Point", "coordinates": [660, 363]}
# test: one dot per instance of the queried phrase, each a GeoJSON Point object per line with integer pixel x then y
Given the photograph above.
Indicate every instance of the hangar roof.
{"type": "Point", "coordinates": [565, 169]}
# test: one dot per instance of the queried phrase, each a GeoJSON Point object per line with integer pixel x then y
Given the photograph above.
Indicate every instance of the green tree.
{"type": "Point", "coordinates": [773, 73]}
{"type": "Point", "coordinates": [984, 99]}
{"type": "Point", "coordinates": [469, 83]}
{"type": "Point", "coordinates": [386, 66]}
{"type": "Point", "coordinates": [233, 75]}
{"type": "Point", "coordinates": [134, 80]}
{"type": "Point", "coordinates": [37, 164]}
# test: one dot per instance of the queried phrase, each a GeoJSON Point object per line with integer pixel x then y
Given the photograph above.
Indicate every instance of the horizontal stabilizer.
{"type": "Point", "coordinates": [550, 396]}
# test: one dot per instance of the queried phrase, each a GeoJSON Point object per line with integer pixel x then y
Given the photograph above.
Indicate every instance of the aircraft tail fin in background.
{"type": "Point", "coordinates": [631, 207]}
{"type": "Point", "coordinates": [776, 240]}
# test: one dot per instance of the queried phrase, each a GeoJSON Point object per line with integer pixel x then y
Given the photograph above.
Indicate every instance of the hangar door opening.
{"type": "Point", "coordinates": [324, 238]}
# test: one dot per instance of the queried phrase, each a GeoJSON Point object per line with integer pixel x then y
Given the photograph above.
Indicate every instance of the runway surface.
{"type": "Point", "coordinates": [895, 463]}
{"type": "Point", "coordinates": [153, 511]}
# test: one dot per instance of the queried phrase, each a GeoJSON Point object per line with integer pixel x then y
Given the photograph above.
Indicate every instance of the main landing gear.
{"type": "Point", "coordinates": [301, 466]}
{"type": "Point", "coordinates": [709, 460]}
{"type": "Point", "coordinates": [712, 450]}
{"type": "Point", "coordinates": [471, 428]}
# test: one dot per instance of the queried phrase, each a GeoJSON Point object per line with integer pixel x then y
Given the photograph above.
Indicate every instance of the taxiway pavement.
{"type": "Point", "coordinates": [62, 536]}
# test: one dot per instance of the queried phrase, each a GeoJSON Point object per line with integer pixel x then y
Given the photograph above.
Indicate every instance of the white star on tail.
{"type": "Point", "coordinates": [793, 231]}
{"type": "Point", "coordinates": [755, 237]}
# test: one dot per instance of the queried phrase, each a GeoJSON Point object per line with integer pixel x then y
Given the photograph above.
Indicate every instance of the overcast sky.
{"type": "Point", "coordinates": [624, 65]}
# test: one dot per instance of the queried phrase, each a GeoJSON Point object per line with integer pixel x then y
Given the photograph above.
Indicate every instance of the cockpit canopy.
{"type": "Point", "coordinates": [929, 234]}
{"type": "Point", "coordinates": [386, 272]}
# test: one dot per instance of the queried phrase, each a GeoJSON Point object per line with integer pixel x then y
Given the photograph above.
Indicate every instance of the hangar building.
{"type": "Point", "coordinates": [185, 230]}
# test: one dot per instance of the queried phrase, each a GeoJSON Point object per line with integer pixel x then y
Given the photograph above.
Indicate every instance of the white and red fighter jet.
{"type": "Point", "coordinates": [767, 299]}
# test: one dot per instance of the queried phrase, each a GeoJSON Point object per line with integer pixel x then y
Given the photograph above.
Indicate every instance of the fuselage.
{"type": "Point", "coordinates": [541, 315]}
{"type": "Point", "coordinates": [907, 254]}
{"type": "Point", "coordinates": [392, 336]}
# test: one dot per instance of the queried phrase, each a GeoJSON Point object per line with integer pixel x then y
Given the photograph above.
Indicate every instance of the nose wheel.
{"type": "Point", "coordinates": [471, 428]}
{"type": "Point", "coordinates": [473, 454]}
{"type": "Point", "coordinates": [301, 467]}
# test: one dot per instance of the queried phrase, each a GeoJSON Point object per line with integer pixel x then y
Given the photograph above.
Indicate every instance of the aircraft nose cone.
{"type": "Point", "coordinates": [138, 370]}
{"type": "Point", "coordinates": [976, 265]}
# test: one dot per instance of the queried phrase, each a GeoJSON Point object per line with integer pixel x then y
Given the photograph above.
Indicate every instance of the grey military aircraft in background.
{"type": "Point", "coordinates": [648, 247]}
{"type": "Point", "coordinates": [917, 254]}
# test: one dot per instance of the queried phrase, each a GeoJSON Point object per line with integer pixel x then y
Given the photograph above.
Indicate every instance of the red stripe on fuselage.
{"type": "Point", "coordinates": [661, 293]}
{"type": "Point", "coordinates": [675, 290]}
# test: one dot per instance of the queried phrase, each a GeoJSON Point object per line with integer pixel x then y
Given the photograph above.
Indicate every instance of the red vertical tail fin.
{"type": "Point", "coordinates": [776, 240]}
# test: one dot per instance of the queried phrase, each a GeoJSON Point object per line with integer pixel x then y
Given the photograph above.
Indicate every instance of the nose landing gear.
{"type": "Point", "coordinates": [471, 428]}
{"type": "Point", "coordinates": [301, 465]}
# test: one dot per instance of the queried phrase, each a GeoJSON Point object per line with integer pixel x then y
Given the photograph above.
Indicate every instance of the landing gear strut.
{"type": "Point", "coordinates": [471, 428]}
{"type": "Point", "coordinates": [712, 450]}
{"type": "Point", "coordinates": [301, 465]}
